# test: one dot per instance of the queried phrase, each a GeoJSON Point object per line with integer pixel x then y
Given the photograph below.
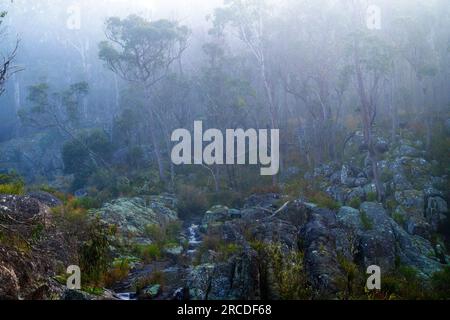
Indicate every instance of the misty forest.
{"type": "Point", "coordinates": [91, 92]}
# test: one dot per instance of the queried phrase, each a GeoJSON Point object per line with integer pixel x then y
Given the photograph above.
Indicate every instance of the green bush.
{"type": "Point", "coordinates": [165, 234]}
{"type": "Point", "coordinates": [12, 188]}
{"type": "Point", "coordinates": [290, 278]}
{"type": "Point", "coordinates": [86, 203]}
{"type": "Point", "coordinates": [355, 203]}
{"type": "Point", "coordinates": [156, 233]}
{"type": "Point", "coordinates": [399, 218]}
{"type": "Point", "coordinates": [440, 282]}
{"type": "Point", "coordinates": [191, 201]}
{"type": "Point", "coordinates": [149, 253]}
{"type": "Point", "coordinates": [324, 201]}
{"type": "Point", "coordinates": [365, 220]}
{"type": "Point", "coordinates": [12, 184]}
{"type": "Point", "coordinates": [94, 253]}
{"type": "Point", "coordinates": [371, 197]}
{"type": "Point", "coordinates": [83, 155]}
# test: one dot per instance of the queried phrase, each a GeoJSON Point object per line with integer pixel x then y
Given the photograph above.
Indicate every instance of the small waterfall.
{"type": "Point", "coordinates": [194, 238]}
{"type": "Point", "coordinates": [127, 296]}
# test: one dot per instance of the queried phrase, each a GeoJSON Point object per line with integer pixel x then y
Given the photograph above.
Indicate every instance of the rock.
{"type": "Point", "coordinates": [219, 214]}
{"type": "Point", "coordinates": [235, 214]}
{"type": "Point", "coordinates": [216, 214]}
{"type": "Point", "coordinates": [321, 262]}
{"type": "Point", "coordinates": [344, 174]}
{"type": "Point", "coordinates": [181, 294]}
{"type": "Point", "coordinates": [199, 280]}
{"type": "Point", "coordinates": [386, 242]}
{"type": "Point", "coordinates": [21, 208]}
{"type": "Point", "coordinates": [377, 240]}
{"type": "Point", "coordinates": [150, 292]}
{"type": "Point", "coordinates": [76, 295]}
{"type": "Point", "coordinates": [359, 182]}
{"type": "Point", "coordinates": [133, 215]}
{"type": "Point", "coordinates": [237, 279]}
{"type": "Point", "coordinates": [349, 217]}
{"type": "Point", "coordinates": [413, 199]}
{"type": "Point", "coordinates": [265, 201]}
{"type": "Point", "coordinates": [413, 203]}
{"type": "Point", "coordinates": [45, 198]}
{"type": "Point", "coordinates": [356, 193]}
{"type": "Point", "coordinates": [406, 150]}
{"type": "Point", "coordinates": [366, 237]}
{"type": "Point", "coordinates": [174, 251]}
{"type": "Point", "coordinates": [9, 288]}
{"type": "Point", "coordinates": [325, 170]}
{"type": "Point", "coordinates": [81, 193]}
{"type": "Point", "coordinates": [436, 211]}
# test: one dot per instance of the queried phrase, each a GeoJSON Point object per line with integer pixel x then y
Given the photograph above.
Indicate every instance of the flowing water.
{"type": "Point", "coordinates": [192, 233]}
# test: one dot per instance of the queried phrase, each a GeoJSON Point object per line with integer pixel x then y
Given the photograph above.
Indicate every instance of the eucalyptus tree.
{"type": "Point", "coordinates": [371, 60]}
{"type": "Point", "coordinates": [314, 74]}
{"type": "Point", "coordinates": [142, 52]}
{"type": "Point", "coordinates": [6, 63]}
{"type": "Point", "coordinates": [226, 93]}
{"type": "Point", "coordinates": [249, 21]}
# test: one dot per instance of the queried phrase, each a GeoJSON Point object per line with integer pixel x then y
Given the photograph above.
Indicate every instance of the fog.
{"type": "Point", "coordinates": [225, 149]}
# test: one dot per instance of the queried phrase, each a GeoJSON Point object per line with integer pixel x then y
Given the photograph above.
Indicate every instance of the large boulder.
{"type": "Point", "coordinates": [133, 215]}
{"type": "Point", "coordinates": [20, 208]}
{"type": "Point", "coordinates": [219, 214]}
{"type": "Point", "coordinates": [237, 278]}
{"type": "Point", "coordinates": [9, 288]}
{"type": "Point", "coordinates": [368, 236]}
{"type": "Point", "coordinates": [45, 198]}
{"type": "Point", "coordinates": [318, 238]}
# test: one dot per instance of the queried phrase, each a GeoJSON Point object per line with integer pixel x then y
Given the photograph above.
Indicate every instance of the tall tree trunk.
{"type": "Point", "coordinates": [366, 115]}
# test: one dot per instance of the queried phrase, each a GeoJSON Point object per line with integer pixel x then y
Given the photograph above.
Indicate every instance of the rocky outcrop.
{"type": "Point", "coordinates": [29, 260]}
{"type": "Point", "coordinates": [133, 215]}
{"type": "Point", "coordinates": [325, 239]}
{"type": "Point", "coordinates": [414, 196]}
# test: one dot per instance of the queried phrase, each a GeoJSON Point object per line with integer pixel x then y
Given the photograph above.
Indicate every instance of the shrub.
{"type": "Point", "coordinates": [191, 201]}
{"type": "Point", "coordinates": [352, 282]}
{"type": "Point", "coordinates": [228, 198]}
{"type": "Point", "coordinates": [355, 203]}
{"type": "Point", "coordinates": [404, 284]}
{"type": "Point", "coordinates": [440, 282]}
{"type": "Point", "coordinates": [86, 203]}
{"type": "Point", "coordinates": [119, 271]}
{"type": "Point", "coordinates": [399, 218]}
{"type": "Point", "coordinates": [12, 188]}
{"type": "Point", "coordinates": [149, 253]}
{"type": "Point", "coordinates": [94, 253]}
{"type": "Point", "coordinates": [78, 157]}
{"type": "Point", "coordinates": [365, 220]}
{"type": "Point", "coordinates": [156, 277]}
{"type": "Point", "coordinates": [165, 234]}
{"type": "Point", "coordinates": [156, 233]}
{"type": "Point", "coordinates": [11, 184]}
{"type": "Point", "coordinates": [323, 200]}
{"type": "Point", "coordinates": [371, 197]}
{"type": "Point", "coordinates": [290, 279]}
